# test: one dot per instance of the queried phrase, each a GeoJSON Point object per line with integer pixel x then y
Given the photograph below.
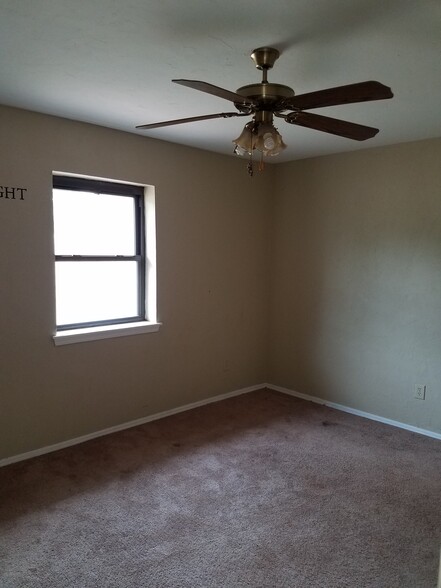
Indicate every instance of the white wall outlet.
{"type": "Point", "coordinates": [420, 391]}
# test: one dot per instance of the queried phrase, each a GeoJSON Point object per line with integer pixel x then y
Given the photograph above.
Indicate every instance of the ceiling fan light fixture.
{"type": "Point", "coordinates": [269, 140]}
{"type": "Point", "coordinates": [246, 141]}
{"type": "Point", "coordinates": [262, 136]}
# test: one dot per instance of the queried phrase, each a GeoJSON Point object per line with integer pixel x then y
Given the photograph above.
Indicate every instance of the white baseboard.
{"type": "Point", "coordinates": [160, 415]}
{"type": "Point", "coordinates": [128, 425]}
{"type": "Point", "coordinates": [366, 415]}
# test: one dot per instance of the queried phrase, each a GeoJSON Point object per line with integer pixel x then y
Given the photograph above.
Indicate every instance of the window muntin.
{"type": "Point", "coordinates": [99, 240]}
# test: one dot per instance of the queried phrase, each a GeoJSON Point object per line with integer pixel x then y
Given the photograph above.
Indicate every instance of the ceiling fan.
{"type": "Point", "coordinates": [266, 100]}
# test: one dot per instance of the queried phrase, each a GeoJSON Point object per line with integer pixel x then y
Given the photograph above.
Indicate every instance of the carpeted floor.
{"type": "Point", "coordinates": [261, 491]}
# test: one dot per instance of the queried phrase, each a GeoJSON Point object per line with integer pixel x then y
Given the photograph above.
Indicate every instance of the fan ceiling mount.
{"type": "Point", "coordinates": [265, 100]}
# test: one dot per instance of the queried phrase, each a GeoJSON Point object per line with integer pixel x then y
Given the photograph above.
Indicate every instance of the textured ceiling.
{"type": "Point", "coordinates": [111, 63]}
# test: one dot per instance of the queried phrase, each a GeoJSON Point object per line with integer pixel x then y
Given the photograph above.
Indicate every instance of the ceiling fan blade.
{"type": "Point", "coordinates": [180, 121]}
{"type": "Point", "coordinates": [331, 125]}
{"type": "Point", "coordinates": [215, 91]}
{"type": "Point", "coordinates": [362, 92]}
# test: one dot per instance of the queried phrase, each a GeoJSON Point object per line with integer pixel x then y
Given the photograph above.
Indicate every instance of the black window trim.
{"type": "Point", "coordinates": [119, 189]}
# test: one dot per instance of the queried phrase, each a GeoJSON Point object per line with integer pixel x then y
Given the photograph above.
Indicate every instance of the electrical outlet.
{"type": "Point", "coordinates": [420, 391]}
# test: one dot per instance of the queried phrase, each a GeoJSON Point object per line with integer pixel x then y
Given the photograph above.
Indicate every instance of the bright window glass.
{"type": "Point", "coordinates": [95, 291]}
{"type": "Point", "coordinates": [100, 244]}
{"type": "Point", "coordinates": [93, 224]}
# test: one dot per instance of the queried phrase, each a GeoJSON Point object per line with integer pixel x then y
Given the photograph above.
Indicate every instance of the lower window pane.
{"type": "Point", "coordinates": [95, 290]}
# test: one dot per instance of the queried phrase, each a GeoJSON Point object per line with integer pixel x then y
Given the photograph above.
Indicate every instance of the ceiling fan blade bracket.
{"type": "Point", "coordinates": [233, 114]}
{"type": "Point", "coordinates": [291, 117]}
{"type": "Point", "coordinates": [245, 108]}
{"type": "Point", "coordinates": [283, 104]}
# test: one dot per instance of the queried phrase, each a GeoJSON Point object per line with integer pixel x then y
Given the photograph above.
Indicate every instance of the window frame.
{"type": "Point", "coordinates": [105, 187]}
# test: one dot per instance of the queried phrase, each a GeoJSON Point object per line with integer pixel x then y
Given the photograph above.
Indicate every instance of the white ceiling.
{"type": "Point", "coordinates": [110, 62]}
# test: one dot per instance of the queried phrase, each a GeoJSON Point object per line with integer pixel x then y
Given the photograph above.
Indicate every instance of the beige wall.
{"type": "Point", "coordinates": [356, 280]}
{"type": "Point", "coordinates": [350, 246]}
{"type": "Point", "coordinates": [212, 237]}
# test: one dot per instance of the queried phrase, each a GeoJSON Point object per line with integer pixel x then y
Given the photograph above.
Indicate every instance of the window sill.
{"type": "Point", "coordinates": [107, 332]}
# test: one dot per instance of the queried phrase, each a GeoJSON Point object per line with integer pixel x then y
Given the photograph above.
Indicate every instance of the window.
{"type": "Point", "coordinates": [100, 256]}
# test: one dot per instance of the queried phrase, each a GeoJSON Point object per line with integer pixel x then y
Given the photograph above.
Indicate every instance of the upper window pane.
{"type": "Point", "coordinates": [93, 224]}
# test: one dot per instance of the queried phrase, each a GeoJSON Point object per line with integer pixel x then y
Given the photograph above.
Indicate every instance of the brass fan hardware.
{"type": "Point", "coordinates": [265, 100]}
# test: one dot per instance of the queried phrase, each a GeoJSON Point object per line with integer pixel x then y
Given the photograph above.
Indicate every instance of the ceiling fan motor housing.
{"type": "Point", "coordinates": [266, 94]}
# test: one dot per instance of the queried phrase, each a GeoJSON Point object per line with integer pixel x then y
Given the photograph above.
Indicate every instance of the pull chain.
{"type": "Point", "coordinates": [250, 162]}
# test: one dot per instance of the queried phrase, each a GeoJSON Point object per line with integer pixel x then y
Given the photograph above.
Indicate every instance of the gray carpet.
{"type": "Point", "coordinates": [261, 491]}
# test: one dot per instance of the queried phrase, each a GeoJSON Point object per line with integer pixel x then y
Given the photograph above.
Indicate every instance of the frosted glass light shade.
{"type": "Point", "coordinates": [262, 136]}
{"type": "Point", "coordinates": [245, 142]}
{"type": "Point", "coordinates": [269, 141]}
